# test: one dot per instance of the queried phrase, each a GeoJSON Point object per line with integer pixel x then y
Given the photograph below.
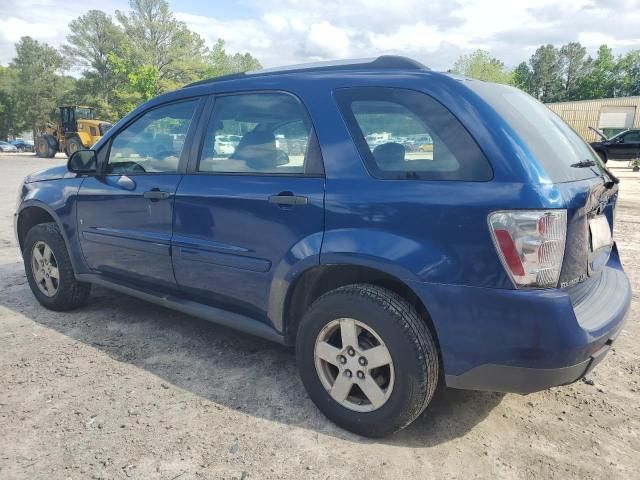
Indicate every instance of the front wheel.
{"type": "Point", "coordinates": [367, 359]}
{"type": "Point", "coordinates": [43, 148]}
{"type": "Point", "coordinates": [49, 270]}
{"type": "Point", "coordinates": [73, 145]}
{"type": "Point", "coordinates": [602, 156]}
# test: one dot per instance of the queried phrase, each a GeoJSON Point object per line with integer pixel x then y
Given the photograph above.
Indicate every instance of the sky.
{"type": "Point", "coordinates": [282, 32]}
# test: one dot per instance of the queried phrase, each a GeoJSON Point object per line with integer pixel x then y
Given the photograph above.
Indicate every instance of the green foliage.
{"type": "Point", "coordinates": [522, 77]}
{"type": "Point", "coordinates": [628, 74]}
{"type": "Point", "coordinates": [481, 65]}
{"type": "Point", "coordinates": [123, 62]}
{"type": "Point", "coordinates": [573, 67]}
{"type": "Point", "coordinates": [160, 41]}
{"type": "Point", "coordinates": [37, 82]}
{"type": "Point", "coordinates": [568, 73]}
{"type": "Point", "coordinates": [220, 62]}
{"type": "Point", "coordinates": [546, 69]}
{"type": "Point", "coordinates": [9, 124]}
{"type": "Point", "coordinates": [146, 51]}
{"type": "Point", "coordinates": [600, 82]}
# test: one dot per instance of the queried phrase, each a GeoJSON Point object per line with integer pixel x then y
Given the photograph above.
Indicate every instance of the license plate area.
{"type": "Point", "coordinates": [600, 233]}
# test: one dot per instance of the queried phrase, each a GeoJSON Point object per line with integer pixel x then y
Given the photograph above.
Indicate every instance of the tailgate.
{"type": "Point", "coordinates": [590, 216]}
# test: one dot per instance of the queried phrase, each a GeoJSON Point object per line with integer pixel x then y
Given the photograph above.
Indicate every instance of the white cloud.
{"type": "Point", "coordinates": [326, 40]}
{"type": "Point", "coordinates": [281, 32]}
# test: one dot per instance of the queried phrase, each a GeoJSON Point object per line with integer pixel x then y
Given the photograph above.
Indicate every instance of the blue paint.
{"type": "Point", "coordinates": [218, 240]}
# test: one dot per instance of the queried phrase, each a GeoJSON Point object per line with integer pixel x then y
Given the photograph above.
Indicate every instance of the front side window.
{"type": "Point", "coordinates": [265, 133]}
{"type": "Point", "coordinates": [152, 143]}
{"type": "Point", "coordinates": [404, 134]}
{"type": "Point", "coordinates": [632, 137]}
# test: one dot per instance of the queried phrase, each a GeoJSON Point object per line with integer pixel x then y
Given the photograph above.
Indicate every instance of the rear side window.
{"type": "Point", "coordinates": [258, 133]}
{"type": "Point", "coordinates": [404, 134]}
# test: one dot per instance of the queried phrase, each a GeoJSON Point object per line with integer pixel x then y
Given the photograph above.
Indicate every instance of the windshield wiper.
{"type": "Point", "coordinates": [584, 164]}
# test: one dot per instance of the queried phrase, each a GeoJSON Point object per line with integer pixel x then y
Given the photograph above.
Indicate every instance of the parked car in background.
{"type": "Point", "coordinates": [485, 263]}
{"type": "Point", "coordinates": [623, 146]}
{"type": "Point", "coordinates": [6, 147]}
{"type": "Point", "coordinates": [23, 145]}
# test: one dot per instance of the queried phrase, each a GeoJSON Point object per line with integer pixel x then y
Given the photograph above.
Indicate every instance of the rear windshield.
{"type": "Point", "coordinates": [559, 149]}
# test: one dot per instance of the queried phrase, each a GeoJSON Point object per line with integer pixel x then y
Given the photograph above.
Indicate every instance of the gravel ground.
{"type": "Point", "coordinates": [124, 389]}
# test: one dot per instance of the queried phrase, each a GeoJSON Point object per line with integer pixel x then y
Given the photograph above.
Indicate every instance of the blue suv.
{"type": "Point", "coordinates": [402, 228]}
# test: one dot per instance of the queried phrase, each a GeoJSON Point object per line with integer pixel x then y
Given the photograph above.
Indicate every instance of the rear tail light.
{"type": "Point", "coordinates": [530, 244]}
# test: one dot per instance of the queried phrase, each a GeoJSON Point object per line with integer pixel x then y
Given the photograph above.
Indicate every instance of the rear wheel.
{"type": "Point", "coordinates": [49, 270]}
{"type": "Point", "coordinates": [367, 360]}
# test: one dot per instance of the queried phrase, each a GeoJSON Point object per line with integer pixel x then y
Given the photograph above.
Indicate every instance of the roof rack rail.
{"type": "Point", "coordinates": [391, 62]}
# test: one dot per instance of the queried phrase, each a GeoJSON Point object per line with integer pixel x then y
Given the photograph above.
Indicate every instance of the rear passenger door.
{"type": "Point", "coordinates": [251, 203]}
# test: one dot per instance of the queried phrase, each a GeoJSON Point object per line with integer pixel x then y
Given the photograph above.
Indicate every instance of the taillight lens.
{"type": "Point", "coordinates": [530, 244]}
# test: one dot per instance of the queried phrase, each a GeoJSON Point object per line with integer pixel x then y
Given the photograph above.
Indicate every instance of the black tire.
{"type": "Point", "coordinates": [408, 340]}
{"type": "Point", "coordinates": [73, 144]}
{"type": "Point", "coordinates": [602, 156]}
{"type": "Point", "coordinates": [43, 148]}
{"type": "Point", "coordinates": [70, 293]}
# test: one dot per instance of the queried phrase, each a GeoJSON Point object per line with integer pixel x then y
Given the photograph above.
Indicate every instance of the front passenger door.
{"type": "Point", "coordinates": [125, 214]}
{"type": "Point", "coordinates": [630, 148]}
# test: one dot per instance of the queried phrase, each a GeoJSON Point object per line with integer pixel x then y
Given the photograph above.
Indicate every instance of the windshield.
{"type": "Point", "coordinates": [563, 154]}
{"type": "Point", "coordinates": [83, 113]}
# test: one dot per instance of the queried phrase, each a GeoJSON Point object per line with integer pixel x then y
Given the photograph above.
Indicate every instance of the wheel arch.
{"type": "Point", "coordinates": [33, 213]}
{"type": "Point", "coordinates": [602, 153]}
{"type": "Point", "coordinates": [316, 281]}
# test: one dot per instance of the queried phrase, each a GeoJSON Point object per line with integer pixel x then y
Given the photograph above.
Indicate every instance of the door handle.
{"type": "Point", "coordinates": [288, 200]}
{"type": "Point", "coordinates": [156, 194]}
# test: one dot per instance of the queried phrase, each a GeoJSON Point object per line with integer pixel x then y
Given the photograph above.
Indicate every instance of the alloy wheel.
{"type": "Point", "coordinates": [354, 365]}
{"type": "Point", "coordinates": [45, 269]}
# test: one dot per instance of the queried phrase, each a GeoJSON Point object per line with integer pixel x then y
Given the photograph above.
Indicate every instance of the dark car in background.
{"type": "Point", "coordinates": [6, 147]}
{"type": "Point", "coordinates": [623, 146]}
{"type": "Point", "coordinates": [22, 145]}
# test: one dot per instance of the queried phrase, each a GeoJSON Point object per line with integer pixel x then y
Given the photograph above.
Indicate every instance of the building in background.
{"type": "Point", "coordinates": [609, 115]}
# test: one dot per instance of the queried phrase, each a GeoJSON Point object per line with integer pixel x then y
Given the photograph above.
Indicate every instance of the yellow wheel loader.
{"type": "Point", "coordinates": [76, 129]}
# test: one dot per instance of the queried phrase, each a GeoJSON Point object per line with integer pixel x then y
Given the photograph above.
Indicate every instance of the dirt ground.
{"type": "Point", "coordinates": [124, 389]}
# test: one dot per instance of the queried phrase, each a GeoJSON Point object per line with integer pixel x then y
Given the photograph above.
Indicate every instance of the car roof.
{"type": "Point", "coordinates": [381, 63]}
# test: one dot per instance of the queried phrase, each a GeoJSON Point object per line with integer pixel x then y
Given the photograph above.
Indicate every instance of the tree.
{"type": "Point", "coordinates": [546, 83]}
{"type": "Point", "coordinates": [37, 84]}
{"type": "Point", "coordinates": [628, 74]}
{"type": "Point", "coordinates": [136, 83]}
{"type": "Point", "coordinates": [9, 120]}
{"type": "Point", "coordinates": [574, 66]}
{"type": "Point", "coordinates": [522, 77]}
{"type": "Point", "coordinates": [159, 40]}
{"type": "Point", "coordinates": [220, 63]}
{"type": "Point", "coordinates": [600, 81]}
{"type": "Point", "coordinates": [482, 66]}
{"type": "Point", "coordinates": [93, 37]}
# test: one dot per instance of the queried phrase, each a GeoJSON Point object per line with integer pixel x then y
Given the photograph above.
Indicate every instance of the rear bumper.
{"type": "Point", "coordinates": [524, 341]}
{"type": "Point", "coordinates": [523, 380]}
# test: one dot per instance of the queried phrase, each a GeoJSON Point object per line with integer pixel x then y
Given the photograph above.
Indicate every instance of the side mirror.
{"type": "Point", "coordinates": [620, 140]}
{"type": "Point", "coordinates": [83, 162]}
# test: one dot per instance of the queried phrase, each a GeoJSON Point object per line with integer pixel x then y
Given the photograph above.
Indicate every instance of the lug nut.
{"type": "Point", "coordinates": [348, 373]}
{"type": "Point", "coordinates": [342, 359]}
{"type": "Point", "coordinates": [360, 374]}
{"type": "Point", "coordinates": [362, 361]}
{"type": "Point", "coordinates": [351, 352]}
